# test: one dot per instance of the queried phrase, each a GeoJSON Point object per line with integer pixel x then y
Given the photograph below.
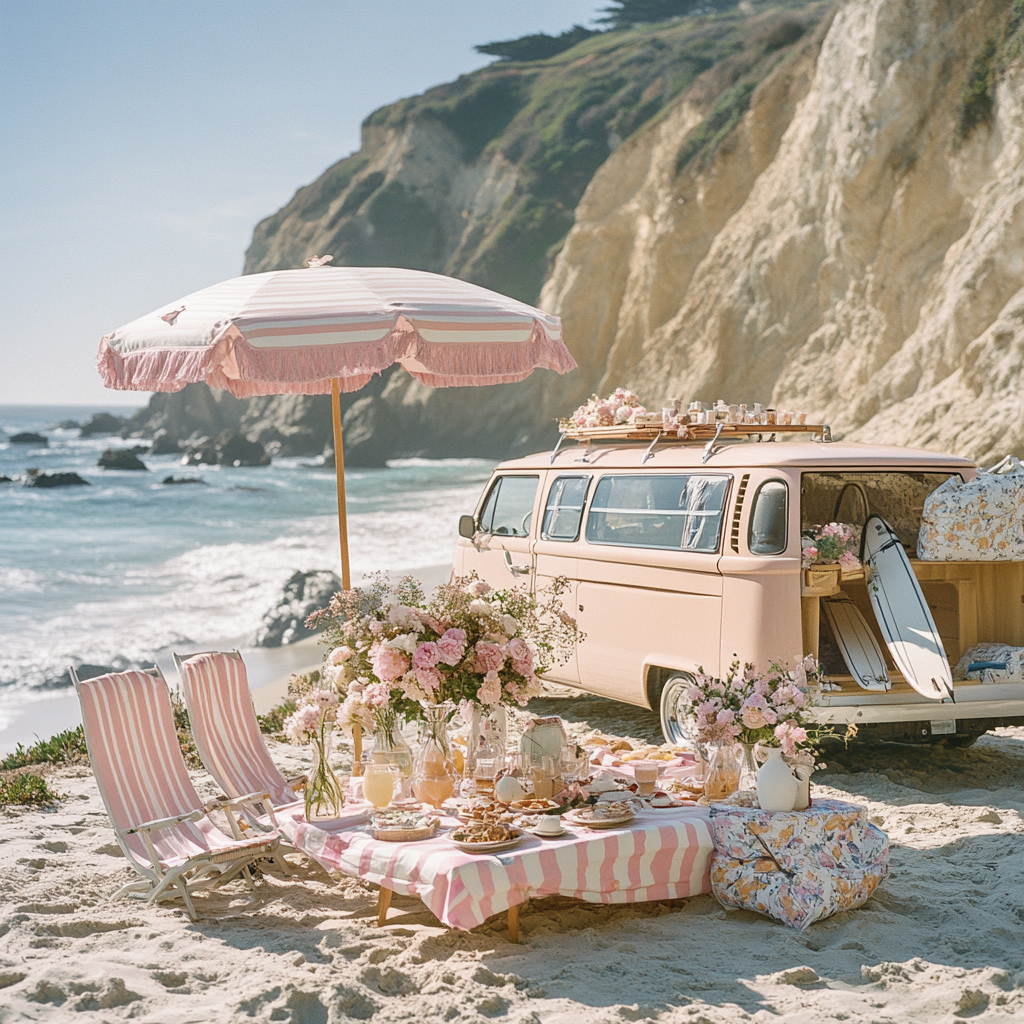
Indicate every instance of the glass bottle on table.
{"type": "Point", "coordinates": [434, 774]}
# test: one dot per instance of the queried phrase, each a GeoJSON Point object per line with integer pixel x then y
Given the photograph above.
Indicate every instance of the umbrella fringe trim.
{"type": "Point", "coordinates": [235, 365]}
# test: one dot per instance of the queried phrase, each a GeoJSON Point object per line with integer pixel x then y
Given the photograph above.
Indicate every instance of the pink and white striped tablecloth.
{"type": "Point", "coordinates": [662, 855]}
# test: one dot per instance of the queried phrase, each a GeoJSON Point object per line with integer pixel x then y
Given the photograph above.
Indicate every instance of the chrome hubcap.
{"type": "Point", "coordinates": [677, 723]}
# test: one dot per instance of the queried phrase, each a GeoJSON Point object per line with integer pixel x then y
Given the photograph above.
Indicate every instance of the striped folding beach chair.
{"type": "Point", "coordinates": [227, 735]}
{"type": "Point", "coordinates": [161, 824]}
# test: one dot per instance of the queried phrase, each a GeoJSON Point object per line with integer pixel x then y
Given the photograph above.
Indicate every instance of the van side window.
{"type": "Point", "coordinates": [766, 534]}
{"type": "Point", "coordinates": [674, 512]}
{"type": "Point", "coordinates": [564, 510]}
{"type": "Point", "coordinates": [509, 506]}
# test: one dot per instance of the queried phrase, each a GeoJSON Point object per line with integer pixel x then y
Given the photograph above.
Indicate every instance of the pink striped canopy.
{"type": "Point", "coordinates": [294, 331]}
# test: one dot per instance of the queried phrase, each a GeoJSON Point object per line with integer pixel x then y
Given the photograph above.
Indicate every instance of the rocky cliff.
{"type": "Point", "coordinates": [855, 247]}
{"type": "Point", "coordinates": [800, 204]}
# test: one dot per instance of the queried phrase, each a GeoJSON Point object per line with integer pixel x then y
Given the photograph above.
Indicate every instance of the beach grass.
{"type": "Point", "coordinates": [26, 789]}
{"type": "Point", "coordinates": [66, 747]}
{"type": "Point", "coordinates": [272, 722]}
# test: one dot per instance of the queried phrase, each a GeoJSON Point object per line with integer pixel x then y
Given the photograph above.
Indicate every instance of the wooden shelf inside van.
{"type": "Point", "coordinates": [971, 603]}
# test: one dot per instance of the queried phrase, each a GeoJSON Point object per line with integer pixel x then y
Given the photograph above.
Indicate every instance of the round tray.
{"type": "Point", "coordinates": [406, 835]}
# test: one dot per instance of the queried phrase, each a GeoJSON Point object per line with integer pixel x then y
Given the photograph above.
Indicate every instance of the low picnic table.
{"type": "Point", "coordinates": [660, 855]}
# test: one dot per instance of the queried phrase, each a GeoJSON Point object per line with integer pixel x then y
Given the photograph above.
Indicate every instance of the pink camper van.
{"type": "Point", "coordinates": [683, 556]}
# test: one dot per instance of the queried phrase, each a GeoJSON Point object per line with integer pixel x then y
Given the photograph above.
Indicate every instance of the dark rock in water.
{"type": "Point", "coordinates": [228, 449]}
{"type": "Point", "coordinates": [196, 408]}
{"type": "Point", "coordinates": [120, 458]}
{"type": "Point", "coordinates": [5, 479]}
{"type": "Point", "coordinates": [83, 671]}
{"type": "Point", "coordinates": [37, 479]}
{"type": "Point", "coordinates": [164, 444]}
{"type": "Point", "coordinates": [102, 423]}
{"type": "Point", "coordinates": [304, 593]}
{"type": "Point", "coordinates": [68, 425]}
{"type": "Point", "coordinates": [238, 450]}
{"type": "Point", "coordinates": [184, 480]}
{"type": "Point", "coordinates": [27, 437]}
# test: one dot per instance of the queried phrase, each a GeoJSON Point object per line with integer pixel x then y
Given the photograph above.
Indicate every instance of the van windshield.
{"type": "Point", "coordinates": [898, 497]}
{"type": "Point", "coordinates": [676, 512]}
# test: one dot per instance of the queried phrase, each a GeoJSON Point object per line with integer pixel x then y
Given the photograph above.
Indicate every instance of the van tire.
{"type": "Point", "coordinates": [677, 725]}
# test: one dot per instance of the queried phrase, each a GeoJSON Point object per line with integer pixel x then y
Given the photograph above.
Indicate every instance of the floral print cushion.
{"type": "Point", "coordinates": [797, 867]}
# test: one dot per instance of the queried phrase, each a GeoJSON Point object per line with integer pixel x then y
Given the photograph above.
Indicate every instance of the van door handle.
{"type": "Point", "coordinates": [516, 570]}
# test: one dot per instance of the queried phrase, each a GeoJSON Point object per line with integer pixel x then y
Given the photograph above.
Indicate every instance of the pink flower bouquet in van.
{"type": "Point", "coordinates": [831, 544]}
{"type": "Point", "coordinates": [467, 642]}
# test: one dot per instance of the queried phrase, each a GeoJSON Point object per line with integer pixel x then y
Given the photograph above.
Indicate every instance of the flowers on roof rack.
{"type": "Point", "coordinates": [831, 544]}
{"type": "Point", "coordinates": [621, 406]}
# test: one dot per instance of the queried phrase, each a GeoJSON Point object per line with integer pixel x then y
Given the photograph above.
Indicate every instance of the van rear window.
{"type": "Point", "coordinates": [682, 513]}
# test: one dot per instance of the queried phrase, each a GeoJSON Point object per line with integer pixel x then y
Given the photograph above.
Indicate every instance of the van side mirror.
{"type": "Point", "coordinates": [467, 527]}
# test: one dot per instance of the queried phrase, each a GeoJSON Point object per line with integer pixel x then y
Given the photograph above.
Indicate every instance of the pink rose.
{"type": "Point", "coordinates": [489, 656]}
{"type": "Point", "coordinates": [478, 588]}
{"type": "Point", "coordinates": [753, 718]}
{"type": "Point", "coordinates": [428, 677]}
{"type": "Point", "coordinates": [452, 646]}
{"type": "Point", "coordinates": [521, 655]}
{"type": "Point", "coordinates": [388, 664]}
{"type": "Point", "coordinates": [427, 655]}
{"type": "Point", "coordinates": [340, 654]}
{"type": "Point", "coordinates": [490, 689]}
{"type": "Point", "coordinates": [789, 735]}
{"type": "Point", "coordinates": [377, 695]}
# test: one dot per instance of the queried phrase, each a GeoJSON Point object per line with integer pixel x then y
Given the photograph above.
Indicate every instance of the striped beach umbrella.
{"type": "Point", "coordinates": [330, 329]}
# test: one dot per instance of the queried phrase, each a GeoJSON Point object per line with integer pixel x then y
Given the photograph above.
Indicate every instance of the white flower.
{"type": "Point", "coordinates": [510, 624]}
{"type": "Point", "coordinates": [405, 642]}
{"type": "Point", "coordinates": [481, 609]}
{"type": "Point", "coordinates": [405, 617]}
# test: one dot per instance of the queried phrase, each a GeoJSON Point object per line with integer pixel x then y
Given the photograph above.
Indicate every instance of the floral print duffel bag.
{"type": "Point", "coordinates": [797, 867]}
{"type": "Point", "coordinates": [979, 520]}
{"type": "Point", "coordinates": [991, 663]}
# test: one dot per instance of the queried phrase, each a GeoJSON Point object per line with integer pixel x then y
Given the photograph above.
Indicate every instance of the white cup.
{"type": "Point", "coordinates": [549, 824]}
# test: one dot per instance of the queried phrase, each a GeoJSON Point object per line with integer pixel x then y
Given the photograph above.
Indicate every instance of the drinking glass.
{"type": "Point", "coordinates": [379, 783]}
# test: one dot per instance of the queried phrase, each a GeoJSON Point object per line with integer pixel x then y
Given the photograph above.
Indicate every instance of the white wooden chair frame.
{"type": "Point", "coordinates": [203, 871]}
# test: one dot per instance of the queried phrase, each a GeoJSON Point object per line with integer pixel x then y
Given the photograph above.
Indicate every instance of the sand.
{"type": "Point", "coordinates": [941, 940]}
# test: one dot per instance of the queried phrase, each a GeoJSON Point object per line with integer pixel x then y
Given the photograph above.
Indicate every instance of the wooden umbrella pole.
{"type": "Point", "coordinates": [339, 472]}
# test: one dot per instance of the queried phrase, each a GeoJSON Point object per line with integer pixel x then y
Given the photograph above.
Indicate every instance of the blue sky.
{"type": "Point", "coordinates": [141, 141]}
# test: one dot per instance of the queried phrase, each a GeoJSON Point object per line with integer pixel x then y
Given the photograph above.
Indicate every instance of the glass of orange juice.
{"type": "Point", "coordinates": [379, 783]}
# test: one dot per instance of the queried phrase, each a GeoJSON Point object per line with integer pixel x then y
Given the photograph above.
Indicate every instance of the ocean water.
{"type": "Point", "coordinates": [111, 573]}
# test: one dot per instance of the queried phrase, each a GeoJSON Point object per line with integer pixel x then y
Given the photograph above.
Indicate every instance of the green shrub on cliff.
{"type": "Point", "coordinates": [543, 119]}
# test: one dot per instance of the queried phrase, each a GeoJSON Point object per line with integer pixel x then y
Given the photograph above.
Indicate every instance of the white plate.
{"type": "Point", "coordinates": [548, 835]}
{"type": "Point", "coordinates": [600, 822]}
{"type": "Point", "coordinates": [506, 844]}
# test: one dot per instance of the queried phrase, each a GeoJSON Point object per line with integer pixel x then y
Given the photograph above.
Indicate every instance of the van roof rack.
{"type": "Point", "coordinates": [710, 433]}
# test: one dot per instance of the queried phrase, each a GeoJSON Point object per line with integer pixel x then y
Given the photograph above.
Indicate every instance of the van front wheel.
{"type": "Point", "coordinates": [678, 724]}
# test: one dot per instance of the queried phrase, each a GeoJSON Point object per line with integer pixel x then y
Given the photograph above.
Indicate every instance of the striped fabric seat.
{"type": "Point", "coordinates": [227, 735]}
{"type": "Point", "coordinates": [160, 820]}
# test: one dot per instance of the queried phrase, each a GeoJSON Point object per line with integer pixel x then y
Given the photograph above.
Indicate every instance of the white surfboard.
{"type": "Point", "coordinates": [903, 614]}
{"type": "Point", "coordinates": [857, 643]}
